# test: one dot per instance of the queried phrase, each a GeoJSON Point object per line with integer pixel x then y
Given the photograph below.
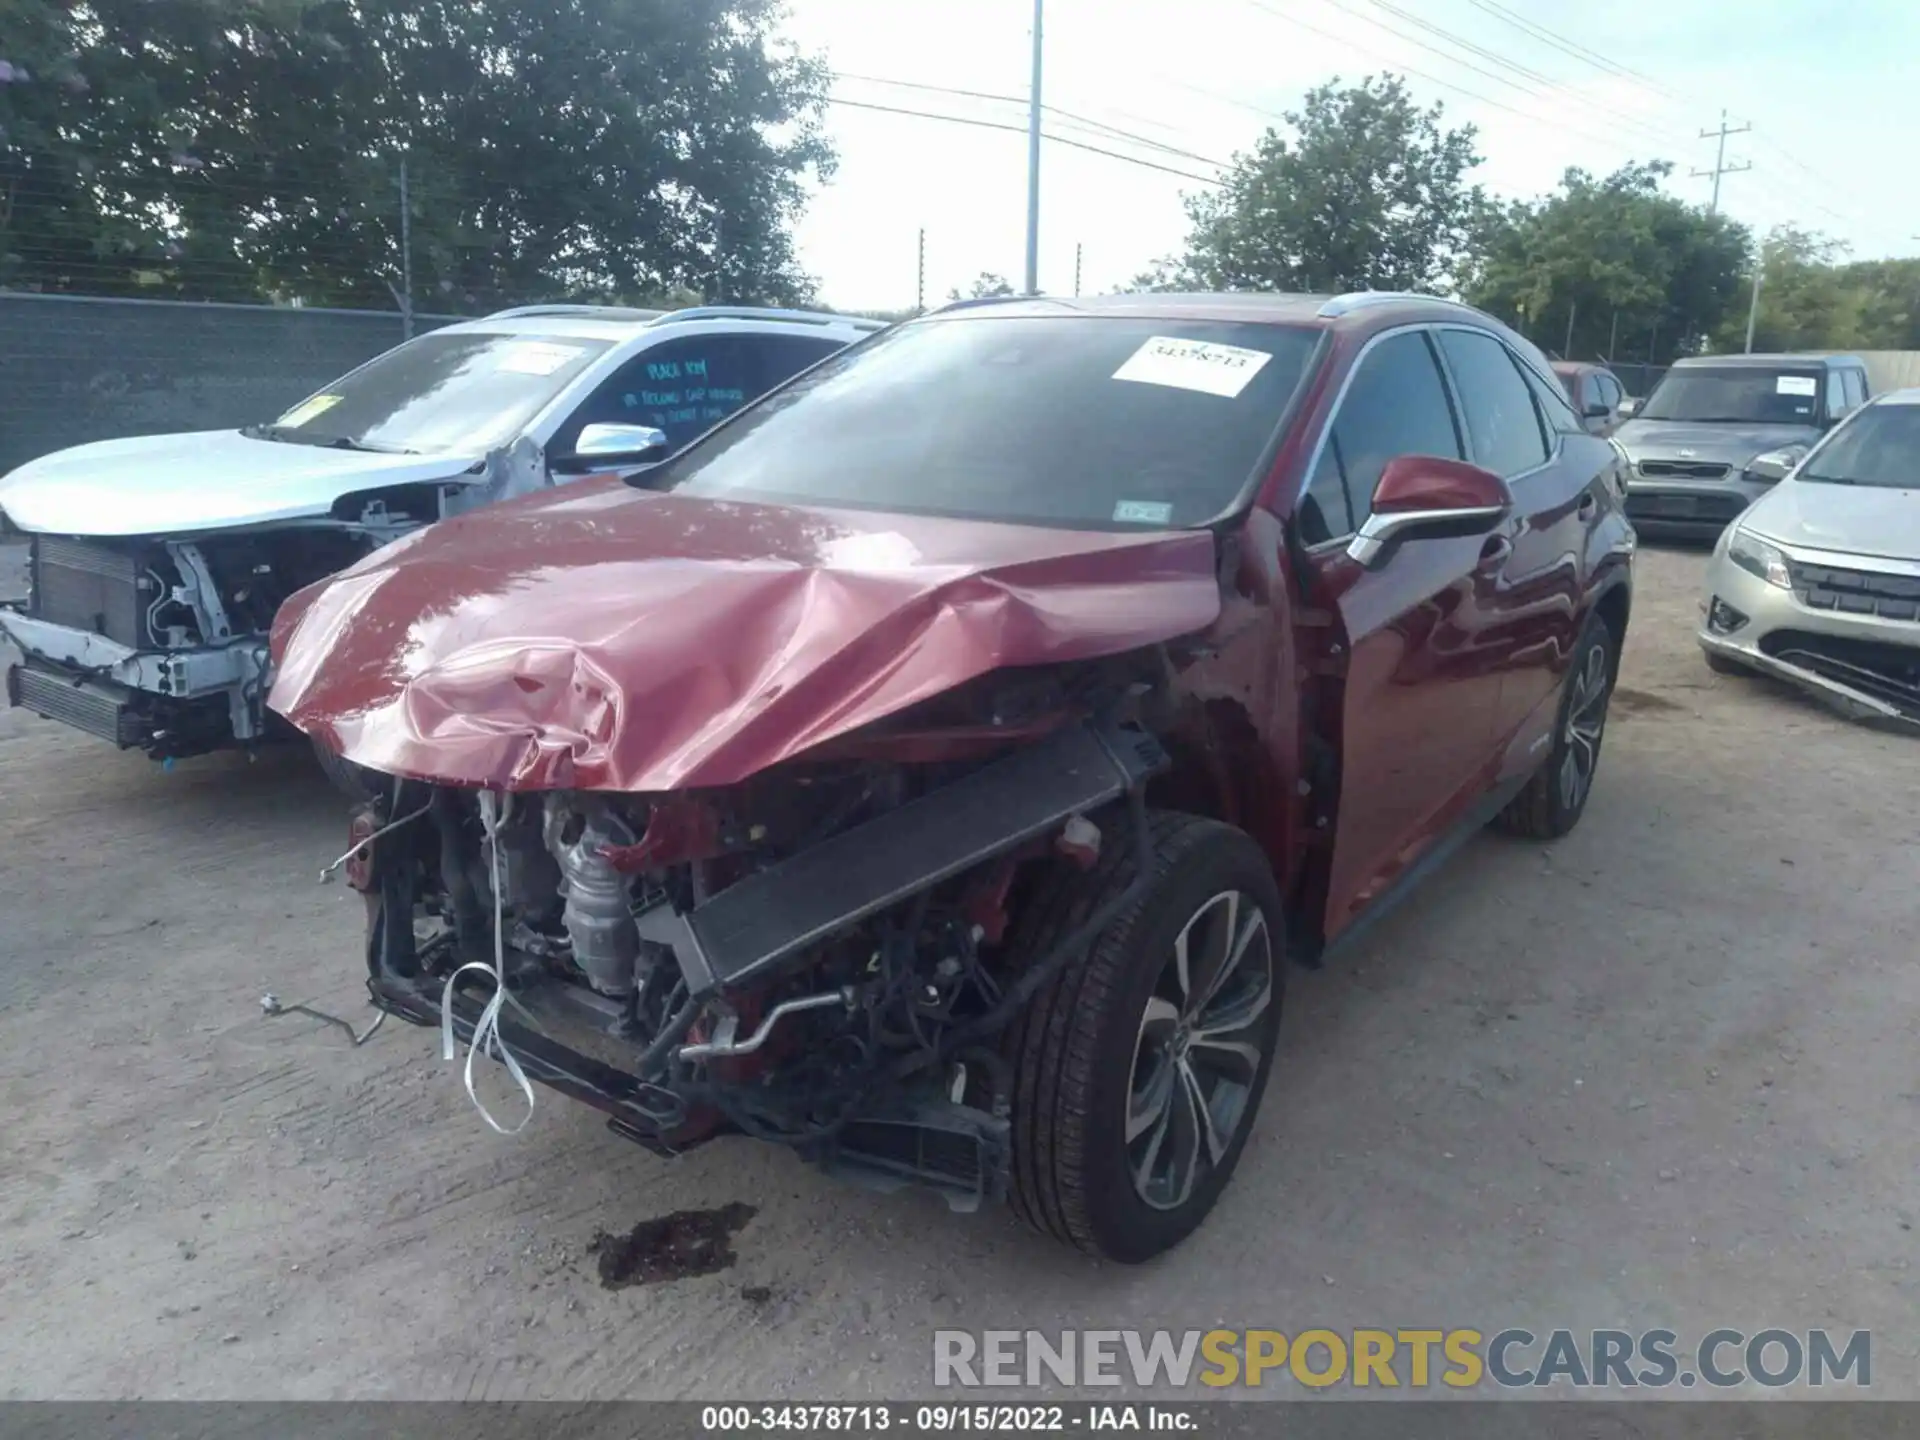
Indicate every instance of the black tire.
{"type": "Point", "coordinates": [1074, 1050]}
{"type": "Point", "coordinates": [357, 784]}
{"type": "Point", "coordinates": [1552, 804]}
{"type": "Point", "coordinates": [1721, 665]}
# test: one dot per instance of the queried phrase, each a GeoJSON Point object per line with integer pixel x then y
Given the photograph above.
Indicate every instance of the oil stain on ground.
{"type": "Point", "coordinates": [1643, 702]}
{"type": "Point", "coordinates": [673, 1247]}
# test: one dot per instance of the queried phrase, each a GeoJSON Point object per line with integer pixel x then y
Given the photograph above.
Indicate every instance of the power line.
{"type": "Point", "coordinates": [1430, 78]}
{"type": "Point", "coordinates": [1574, 48]}
{"type": "Point", "coordinates": [1224, 99]}
{"type": "Point", "coordinates": [1021, 130]}
{"type": "Point", "coordinates": [1083, 120]}
{"type": "Point", "coordinates": [1607, 65]}
{"type": "Point", "coordinates": [1472, 47]}
{"type": "Point", "coordinates": [1646, 130]}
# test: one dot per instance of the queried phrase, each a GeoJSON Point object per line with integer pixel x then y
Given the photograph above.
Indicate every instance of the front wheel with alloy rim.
{"type": "Point", "coordinates": [1138, 1070]}
{"type": "Point", "coordinates": [1553, 801]}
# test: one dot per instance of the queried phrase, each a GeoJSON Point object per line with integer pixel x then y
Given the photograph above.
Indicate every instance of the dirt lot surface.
{"type": "Point", "coordinates": [1661, 1073]}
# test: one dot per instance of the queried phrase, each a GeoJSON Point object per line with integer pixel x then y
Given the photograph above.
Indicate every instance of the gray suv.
{"type": "Point", "coordinates": [1719, 431]}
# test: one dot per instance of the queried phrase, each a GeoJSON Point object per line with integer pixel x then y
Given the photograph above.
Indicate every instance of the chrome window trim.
{"type": "Point", "coordinates": [1452, 388]}
{"type": "Point", "coordinates": [1340, 401]}
{"type": "Point", "coordinates": [1559, 439]}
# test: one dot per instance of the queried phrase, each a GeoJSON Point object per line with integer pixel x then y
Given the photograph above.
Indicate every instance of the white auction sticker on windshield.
{"type": "Point", "coordinates": [1222, 370]}
{"type": "Point", "coordinates": [1143, 512]}
{"type": "Point", "coordinates": [1796, 385]}
{"type": "Point", "coordinates": [536, 357]}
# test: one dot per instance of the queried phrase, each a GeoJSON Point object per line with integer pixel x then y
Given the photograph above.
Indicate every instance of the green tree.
{"type": "Point", "coordinates": [1810, 301]}
{"type": "Point", "coordinates": [985, 286]}
{"type": "Point", "coordinates": [254, 148]}
{"type": "Point", "coordinates": [1609, 263]}
{"type": "Point", "coordinates": [1891, 305]}
{"type": "Point", "coordinates": [1369, 192]}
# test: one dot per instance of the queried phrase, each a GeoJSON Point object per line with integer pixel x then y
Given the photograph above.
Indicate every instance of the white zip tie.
{"type": "Point", "coordinates": [486, 1030]}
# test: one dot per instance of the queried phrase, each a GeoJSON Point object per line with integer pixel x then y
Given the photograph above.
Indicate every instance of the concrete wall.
{"type": "Point", "coordinates": [75, 369]}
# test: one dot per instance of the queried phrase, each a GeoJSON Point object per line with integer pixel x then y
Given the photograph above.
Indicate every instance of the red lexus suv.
{"type": "Point", "coordinates": [934, 767]}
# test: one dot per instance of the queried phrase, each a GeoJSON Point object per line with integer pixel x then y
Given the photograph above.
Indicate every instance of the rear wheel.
{"type": "Point", "coordinates": [1556, 797]}
{"type": "Point", "coordinates": [1138, 1071]}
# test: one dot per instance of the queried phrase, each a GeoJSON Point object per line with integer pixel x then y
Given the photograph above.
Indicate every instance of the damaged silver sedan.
{"type": "Point", "coordinates": [157, 563]}
{"type": "Point", "coordinates": [1818, 583]}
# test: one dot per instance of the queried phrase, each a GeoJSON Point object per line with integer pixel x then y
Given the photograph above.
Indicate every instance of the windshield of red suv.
{"type": "Point", "coordinates": [461, 391]}
{"type": "Point", "coordinates": [1085, 422]}
{"type": "Point", "coordinates": [1737, 395]}
{"type": "Point", "coordinates": [1881, 447]}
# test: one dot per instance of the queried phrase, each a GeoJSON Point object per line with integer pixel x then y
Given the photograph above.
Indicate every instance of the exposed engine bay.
{"type": "Point", "coordinates": [158, 643]}
{"type": "Point", "coordinates": [823, 957]}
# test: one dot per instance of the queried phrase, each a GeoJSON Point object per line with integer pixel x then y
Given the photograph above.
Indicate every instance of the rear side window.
{"type": "Point", "coordinates": [1837, 402]}
{"type": "Point", "coordinates": [1558, 414]}
{"type": "Point", "coordinates": [784, 356]}
{"type": "Point", "coordinates": [1502, 425]}
{"type": "Point", "coordinates": [1856, 383]}
{"type": "Point", "coordinates": [687, 386]}
{"type": "Point", "coordinates": [1396, 405]}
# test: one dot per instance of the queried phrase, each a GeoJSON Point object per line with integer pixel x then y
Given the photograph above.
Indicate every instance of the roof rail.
{"type": "Point", "coordinates": [977, 300]}
{"type": "Point", "coordinates": [1354, 300]}
{"type": "Point", "coordinates": [760, 312]}
{"type": "Point", "coordinates": [575, 311]}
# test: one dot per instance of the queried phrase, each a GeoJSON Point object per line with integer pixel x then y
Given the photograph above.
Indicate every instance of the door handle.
{"type": "Point", "coordinates": [1494, 553]}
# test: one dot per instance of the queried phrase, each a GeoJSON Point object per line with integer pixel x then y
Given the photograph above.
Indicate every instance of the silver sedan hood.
{"type": "Point", "coordinates": [1865, 520]}
{"type": "Point", "coordinates": [208, 480]}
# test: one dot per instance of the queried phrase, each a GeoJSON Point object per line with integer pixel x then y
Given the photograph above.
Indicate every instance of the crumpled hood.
{"type": "Point", "coordinates": [1864, 520]}
{"type": "Point", "coordinates": [1718, 444]}
{"type": "Point", "coordinates": [205, 480]}
{"type": "Point", "coordinates": [607, 638]}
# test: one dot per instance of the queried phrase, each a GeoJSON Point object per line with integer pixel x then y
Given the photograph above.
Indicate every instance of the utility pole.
{"type": "Point", "coordinates": [1033, 158]}
{"type": "Point", "coordinates": [920, 280]}
{"type": "Point", "coordinates": [1076, 267]}
{"type": "Point", "coordinates": [1720, 166]}
{"type": "Point", "coordinates": [406, 254]}
{"type": "Point", "coordinates": [1753, 306]}
{"type": "Point", "coordinates": [1573, 309]}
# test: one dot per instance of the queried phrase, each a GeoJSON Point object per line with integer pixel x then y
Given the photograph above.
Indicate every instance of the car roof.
{"type": "Point", "coordinates": [1735, 362]}
{"type": "Point", "coordinates": [617, 322]}
{"type": "Point", "coordinates": [1247, 307]}
{"type": "Point", "coordinates": [1910, 396]}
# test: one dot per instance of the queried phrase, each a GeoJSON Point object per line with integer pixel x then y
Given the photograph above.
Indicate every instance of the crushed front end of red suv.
{"type": "Point", "coordinates": [933, 768]}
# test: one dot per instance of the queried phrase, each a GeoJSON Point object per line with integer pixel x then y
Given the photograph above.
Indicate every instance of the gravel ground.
{"type": "Point", "coordinates": [1662, 1073]}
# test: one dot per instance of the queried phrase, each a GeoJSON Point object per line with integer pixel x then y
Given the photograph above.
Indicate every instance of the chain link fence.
{"type": "Point", "coordinates": [77, 368]}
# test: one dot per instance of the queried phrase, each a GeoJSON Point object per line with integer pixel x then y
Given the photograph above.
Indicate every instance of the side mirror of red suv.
{"type": "Point", "coordinates": [1423, 497]}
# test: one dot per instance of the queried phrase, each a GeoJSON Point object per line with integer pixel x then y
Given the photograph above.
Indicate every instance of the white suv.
{"type": "Point", "coordinates": [157, 563]}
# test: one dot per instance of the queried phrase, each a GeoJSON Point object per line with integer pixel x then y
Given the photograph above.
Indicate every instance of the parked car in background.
{"type": "Point", "coordinates": [1597, 394]}
{"type": "Point", "coordinates": [1718, 431]}
{"type": "Point", "coordinates": [1818, 582]}
{"type": "Point", "coordinates": [157, 563]}
{"type": "Point", "coordinates": [934, 766]}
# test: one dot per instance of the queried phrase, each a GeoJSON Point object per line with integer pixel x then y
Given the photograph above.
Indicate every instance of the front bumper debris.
{"type": "Point", "coordinates": [928, 1141]}
{"type": "Point", "coordinates": [167, 702]}
{"type": "Point", "coordinates": [1832, 636]}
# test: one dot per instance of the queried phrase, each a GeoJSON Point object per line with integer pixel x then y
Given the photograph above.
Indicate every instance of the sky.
{"type": "Point", "coordinates": [1826, 89]}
